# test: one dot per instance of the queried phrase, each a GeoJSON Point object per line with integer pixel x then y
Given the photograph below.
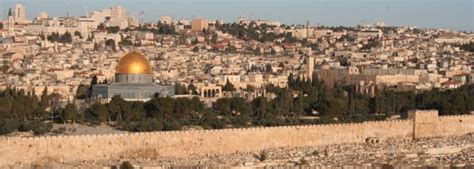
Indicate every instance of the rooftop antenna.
{"type": "Point", "coordinates": [3, 9]}
{"type": "Point", "coordinates": [193, 16]}
{"type": "Point", "coordinates": [85, 8]}
{"type": "Point", "coordinates": [174, 17]}
{"type": "Point", "coordinates": [141, 14]}
{"type": "Point", "coordinates": [87, 11]}
{"type": "Point", "coordinates": [67, 9]}
{"type": "Point", "coordinates": [307, 29]}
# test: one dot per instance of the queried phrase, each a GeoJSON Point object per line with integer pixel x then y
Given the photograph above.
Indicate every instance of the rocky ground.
{"type": "Point", "coordinates": [445, 152]}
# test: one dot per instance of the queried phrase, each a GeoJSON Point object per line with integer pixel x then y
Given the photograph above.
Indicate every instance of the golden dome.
{"type": "Point", "coordinates": [133, 63]}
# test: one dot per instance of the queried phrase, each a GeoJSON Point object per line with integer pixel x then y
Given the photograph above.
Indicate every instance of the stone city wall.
{"type": "Point", "coordinates": [428, 124]}
{"type": "Point", "coordinates": [30, 150]}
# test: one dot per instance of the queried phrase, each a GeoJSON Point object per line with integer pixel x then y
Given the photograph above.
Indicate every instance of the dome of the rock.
{"type": "Point", "coordinates": [133, 63]}
{"type": "Point", "coordinates": [133, 81]}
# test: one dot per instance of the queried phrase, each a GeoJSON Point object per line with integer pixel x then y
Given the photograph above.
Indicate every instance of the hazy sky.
{"type": "Point", "coordinates": [453, 14]}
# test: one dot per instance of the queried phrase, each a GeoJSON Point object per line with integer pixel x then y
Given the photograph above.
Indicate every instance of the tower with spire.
{"type": "Point", "coordinates": [10, 21]}
{"type": "Point", "coordinates": [10, 12]}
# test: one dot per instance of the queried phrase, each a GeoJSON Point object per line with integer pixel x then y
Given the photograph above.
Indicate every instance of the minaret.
{"type": "Point", "coordinates": [310, 67]}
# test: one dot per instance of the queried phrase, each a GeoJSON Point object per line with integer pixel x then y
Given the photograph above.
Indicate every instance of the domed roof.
{"type": "Point", "coordinates": [133, 63]}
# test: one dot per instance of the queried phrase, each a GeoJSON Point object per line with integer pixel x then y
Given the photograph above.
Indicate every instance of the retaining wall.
{"type": "Point", "coordinates": [28, 150]}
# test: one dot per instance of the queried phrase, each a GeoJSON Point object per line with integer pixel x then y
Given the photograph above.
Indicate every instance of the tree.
{"type": "Point", "coordinates": [237, 110]}
{"type": "Point", "coordinates": [223, 106]}
{"type": "Point", "coordinates": [96, 46]}
{"type": "Point", "coordinates": [78, 34]}
{"type": "Point", "coordinates": [260, 106]}
{"type": "Point", "coordinates": [45, 99]}
{"type": "Point", "coordinates": [165, 29]}
{"type": "Point", "coordinates": [268, 68]}
{"type": "Point", "coordinates": [83, 91]}
{"type": "Point", "coordinates": [195, 49]}
{"type": "Point", "coordinates": [94, 80]}
{"type": "Point", "coordinates": [110, 43]}
{"type": "Point", "coordinates": [145, 125]}
{"type": "Point", "coordinates": [126, 165]}
{"type": "Point", "coordinates": [90, 37]}
{"type": "Point", "coordinates": [228, 86]}
{"type": "Point", "coordinates": [298, 105]}
{"type": "Point", "coordinates": [9, 125]}
{"type": "Point", "coordinates": [180, 89]}
{"type": "Point", "coordinates": [101, 112]}
{"type": "Point", "coordinates": [101, 26]}
{"type": "Point", "coordinates": [66, 38]}
{"type": "Point", "coordinates": [468, 47]}
{"type": "Point", "coordinates": [36, 126]}
{"type": "Point", "coordinates": [332, 108]}
{"type": "Point", "coordinates": [243, 111]}
{"type": "Point", "coordinates": [54, 37]}
{"type": "Point", "coordinates": [70, 113]}
{"type": "Point", "coordinates": [348, 37]}
{"type": "Point", "coordinates": [214, 38]}
{"type": "Point", "coordinates": [371, 44]}
{"type": "Point", "coordinates": [211, 120]}
{"type": "Point", "coordinates": [231, 49]}
{"type": "Point", "coordinates": [132, 111]}
{"type": "Point", "coordinates": [284, 102]}
{"type": "Point", "coordinates": [126, 42]}
{"type": "Point", "coordinates": [192, 89]}
{"type": "Point", "coordinates": [115, 109]}
{"type": "Point", "coordinates": [161, 108]}
{"type": "Point", "coordinates": [112, 29]}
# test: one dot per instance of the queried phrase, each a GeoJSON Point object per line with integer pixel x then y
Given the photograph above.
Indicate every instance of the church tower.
{"type": "Point", "coordinates": [10, 22]}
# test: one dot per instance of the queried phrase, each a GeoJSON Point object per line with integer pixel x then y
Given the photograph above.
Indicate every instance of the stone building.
{"type": "Point", "coordinates": [199, 24]}
{"type": "Point", "coordinates": [133, 81]}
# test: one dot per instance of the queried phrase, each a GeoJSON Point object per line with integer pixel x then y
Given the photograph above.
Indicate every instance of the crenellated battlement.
{"type": "Point", "coordinates": [222, 141]}
{"type": "Point", "coordinates": [456, 116]}
{"type": "Point", "coordinates": [227, 130]}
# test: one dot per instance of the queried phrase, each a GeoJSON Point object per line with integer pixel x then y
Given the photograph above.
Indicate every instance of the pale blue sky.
{"type": "Point", "coordinates": [453, 14]}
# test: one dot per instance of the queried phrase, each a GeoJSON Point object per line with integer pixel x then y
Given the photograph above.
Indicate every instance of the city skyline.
{"type": "Point", "coordinates": [103, 84]}
{"type": "Point", "coordinates": [457, 15]}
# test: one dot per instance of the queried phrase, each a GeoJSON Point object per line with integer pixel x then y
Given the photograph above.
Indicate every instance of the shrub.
{"type": "Point", "coordinates": [37, 127]}
{"type": "Point", "coordinates": [126, 165]}
{"type": "Point", "coordinates": [149, 124]}
{"type": "Point", "coordinates": [8, 126]}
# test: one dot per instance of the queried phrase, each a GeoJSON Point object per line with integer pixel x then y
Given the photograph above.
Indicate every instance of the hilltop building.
{"type": "Point", "coordinates": [114, 16]}
{"type": "Point", "coordinates": [199, 25]}
{"type": "Point", "coordinates": [167, 20]}
{"type": "Point", "coordinates": [20, 13]}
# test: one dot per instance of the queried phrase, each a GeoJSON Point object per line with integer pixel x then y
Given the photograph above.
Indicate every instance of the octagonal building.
{"type": "Point", "coordinates": [133, 81]}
